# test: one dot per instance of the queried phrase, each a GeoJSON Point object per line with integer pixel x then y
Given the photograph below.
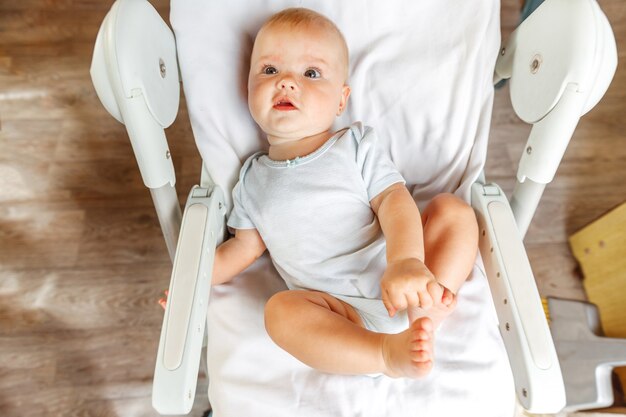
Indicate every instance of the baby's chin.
{"type": "Point", "coordinates": [282, 131]}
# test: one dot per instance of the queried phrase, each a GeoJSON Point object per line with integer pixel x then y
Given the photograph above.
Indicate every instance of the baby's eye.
{"type": "Point", "coordinates": [269, 70]}
{"type": "Point", "coordinates": [312, 73]}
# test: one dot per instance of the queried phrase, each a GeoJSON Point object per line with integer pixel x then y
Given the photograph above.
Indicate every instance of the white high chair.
{"type": "Point", "coordinates": [560, 62]}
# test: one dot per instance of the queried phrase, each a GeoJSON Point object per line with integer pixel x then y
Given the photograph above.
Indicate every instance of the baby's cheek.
{"type": "Point", "coordinates": [255, 108]}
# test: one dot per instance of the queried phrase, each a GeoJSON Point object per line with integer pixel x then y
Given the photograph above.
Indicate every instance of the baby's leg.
{"type": "Point", "coordinates": [450, 240]}
{"type": "Point", "coordinates": [450, 246]}
{"type": "Point", "coordinates": [328, 334]}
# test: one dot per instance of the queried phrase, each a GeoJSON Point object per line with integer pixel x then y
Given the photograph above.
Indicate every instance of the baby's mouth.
{"type": "Point", "coordinates": [284, 104]}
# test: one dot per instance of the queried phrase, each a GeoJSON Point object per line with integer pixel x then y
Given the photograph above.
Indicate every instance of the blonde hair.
{"type": "Point", "coordinates": [302, 17]}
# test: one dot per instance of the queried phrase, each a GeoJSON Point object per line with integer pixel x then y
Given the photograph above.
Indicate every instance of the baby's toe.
{"type": "Point", "coordinates": [448, 298]}
{"type": "Point", "coordinates": [421, 345]}
{"type": "Point", "coordinates": [420, 356]}
{"type": "Point", "coordinates": [421, 368]}
{"type": "Point", "coordinates": [418, 336]}
{"type": "Point", "coordinates": [423, 325]}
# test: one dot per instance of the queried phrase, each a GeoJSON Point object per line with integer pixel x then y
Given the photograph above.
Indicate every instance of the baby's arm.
{"type": "Point", "coordinates": [236, 254]}
{"type": "Point", "coordinates": [232, 257]}
{"type": "Point", "coordinates": [400, 220]}
{"type": "Point", "coordinates": [407, 282]}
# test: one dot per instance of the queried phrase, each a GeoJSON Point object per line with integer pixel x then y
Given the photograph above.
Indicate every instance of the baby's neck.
{"type": "Point", "coordinates": [300, 147]}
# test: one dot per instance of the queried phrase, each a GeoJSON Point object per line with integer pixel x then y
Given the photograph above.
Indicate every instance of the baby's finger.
{"type": "Point", "coordinates": [387, 303]}
{"type": "Point", "coordinates": [435, 290]}
{"type": "Point", "coordinates": [452, 304]}
{"type": "Point", "coordinates": [398, 300]}
{"type": "Point", "coordinates": [412, 299]}
{"type": "Point", "coordinates": [162, 303]}
{"type": "Point", "coordinates": [447, 297]}
{"type": "Point", "coordinates": [426, 301]}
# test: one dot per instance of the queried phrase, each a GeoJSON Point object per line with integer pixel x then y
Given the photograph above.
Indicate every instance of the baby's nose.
{"type": "Point", "coordinates": [287, 83]}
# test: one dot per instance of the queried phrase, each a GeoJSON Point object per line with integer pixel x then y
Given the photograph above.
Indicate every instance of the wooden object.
{"type": "Point", "coordinates": [600, 248]}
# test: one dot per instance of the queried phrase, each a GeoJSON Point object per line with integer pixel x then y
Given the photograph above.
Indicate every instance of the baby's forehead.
{"type": "Point", "coordinates": [327, 36]}
{"type": "Point", "coordinates": [321, 30]}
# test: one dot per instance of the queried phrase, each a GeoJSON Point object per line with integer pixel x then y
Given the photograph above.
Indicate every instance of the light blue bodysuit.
{"type": "Point", "coordinates": [315, 217]}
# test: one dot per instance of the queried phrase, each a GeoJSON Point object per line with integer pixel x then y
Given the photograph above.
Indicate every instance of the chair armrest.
{"type": "Point", "coordinates": [180, 345]}
{"type": "Point", "coordinates": [536, 372]}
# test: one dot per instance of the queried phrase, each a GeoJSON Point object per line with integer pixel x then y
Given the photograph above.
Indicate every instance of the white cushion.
{"type": "Point", "coordinates": [421, 75]}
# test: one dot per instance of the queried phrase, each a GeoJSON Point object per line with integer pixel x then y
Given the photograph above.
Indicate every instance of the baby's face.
{"type": "Point", "coordinates": [296, 85]}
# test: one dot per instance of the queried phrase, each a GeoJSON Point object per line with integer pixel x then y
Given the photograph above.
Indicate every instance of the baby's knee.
{"type": "Point", "coordinates": [451, 208]}
{"type": "Point", "coordinates": [278, 309]}
{"type": "Point", "coordinates": [276, 305]}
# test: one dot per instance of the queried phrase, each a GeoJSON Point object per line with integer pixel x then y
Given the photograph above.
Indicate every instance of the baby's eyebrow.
{"type": "Point", "coordinates": [311, 59]}
{"type": "Point", "coordinates": [268, 58]}
{"type": "Point", "coordinates": [316, 60]}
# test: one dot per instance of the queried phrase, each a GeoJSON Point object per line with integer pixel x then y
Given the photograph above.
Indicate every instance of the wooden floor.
{"type": "Point", "coordinates": [82, 260]}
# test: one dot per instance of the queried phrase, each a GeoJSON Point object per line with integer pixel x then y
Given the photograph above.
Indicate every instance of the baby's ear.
{"type": "Point", "coordinates": [345, 93]}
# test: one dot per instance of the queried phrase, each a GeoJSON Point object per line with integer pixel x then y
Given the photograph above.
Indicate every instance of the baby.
{"type": "Point", "coordinates": [333, 211]}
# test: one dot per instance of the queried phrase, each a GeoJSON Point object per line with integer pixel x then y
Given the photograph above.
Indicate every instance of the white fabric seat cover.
{"type": "Point", "coordinates": [421, 75]}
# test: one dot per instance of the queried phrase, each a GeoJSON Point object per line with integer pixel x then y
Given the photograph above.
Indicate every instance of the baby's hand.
{"type": "Point", "coordinates": [444, 303]}
{"type": "Point", "coordinates": [163, 301]}
{"type": "Point", "coordinates": [409, 283]}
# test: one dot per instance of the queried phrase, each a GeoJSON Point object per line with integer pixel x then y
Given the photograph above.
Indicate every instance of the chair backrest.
{"type": "Point", "coordinates": [420, 74]}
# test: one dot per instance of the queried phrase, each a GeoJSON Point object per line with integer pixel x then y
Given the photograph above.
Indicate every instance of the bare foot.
{"type": "Point", "coordinates": [410, 353]}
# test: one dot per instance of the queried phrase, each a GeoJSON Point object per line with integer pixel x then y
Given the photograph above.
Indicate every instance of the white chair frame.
{"type": "Point", "coordinates": [560, 62]}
